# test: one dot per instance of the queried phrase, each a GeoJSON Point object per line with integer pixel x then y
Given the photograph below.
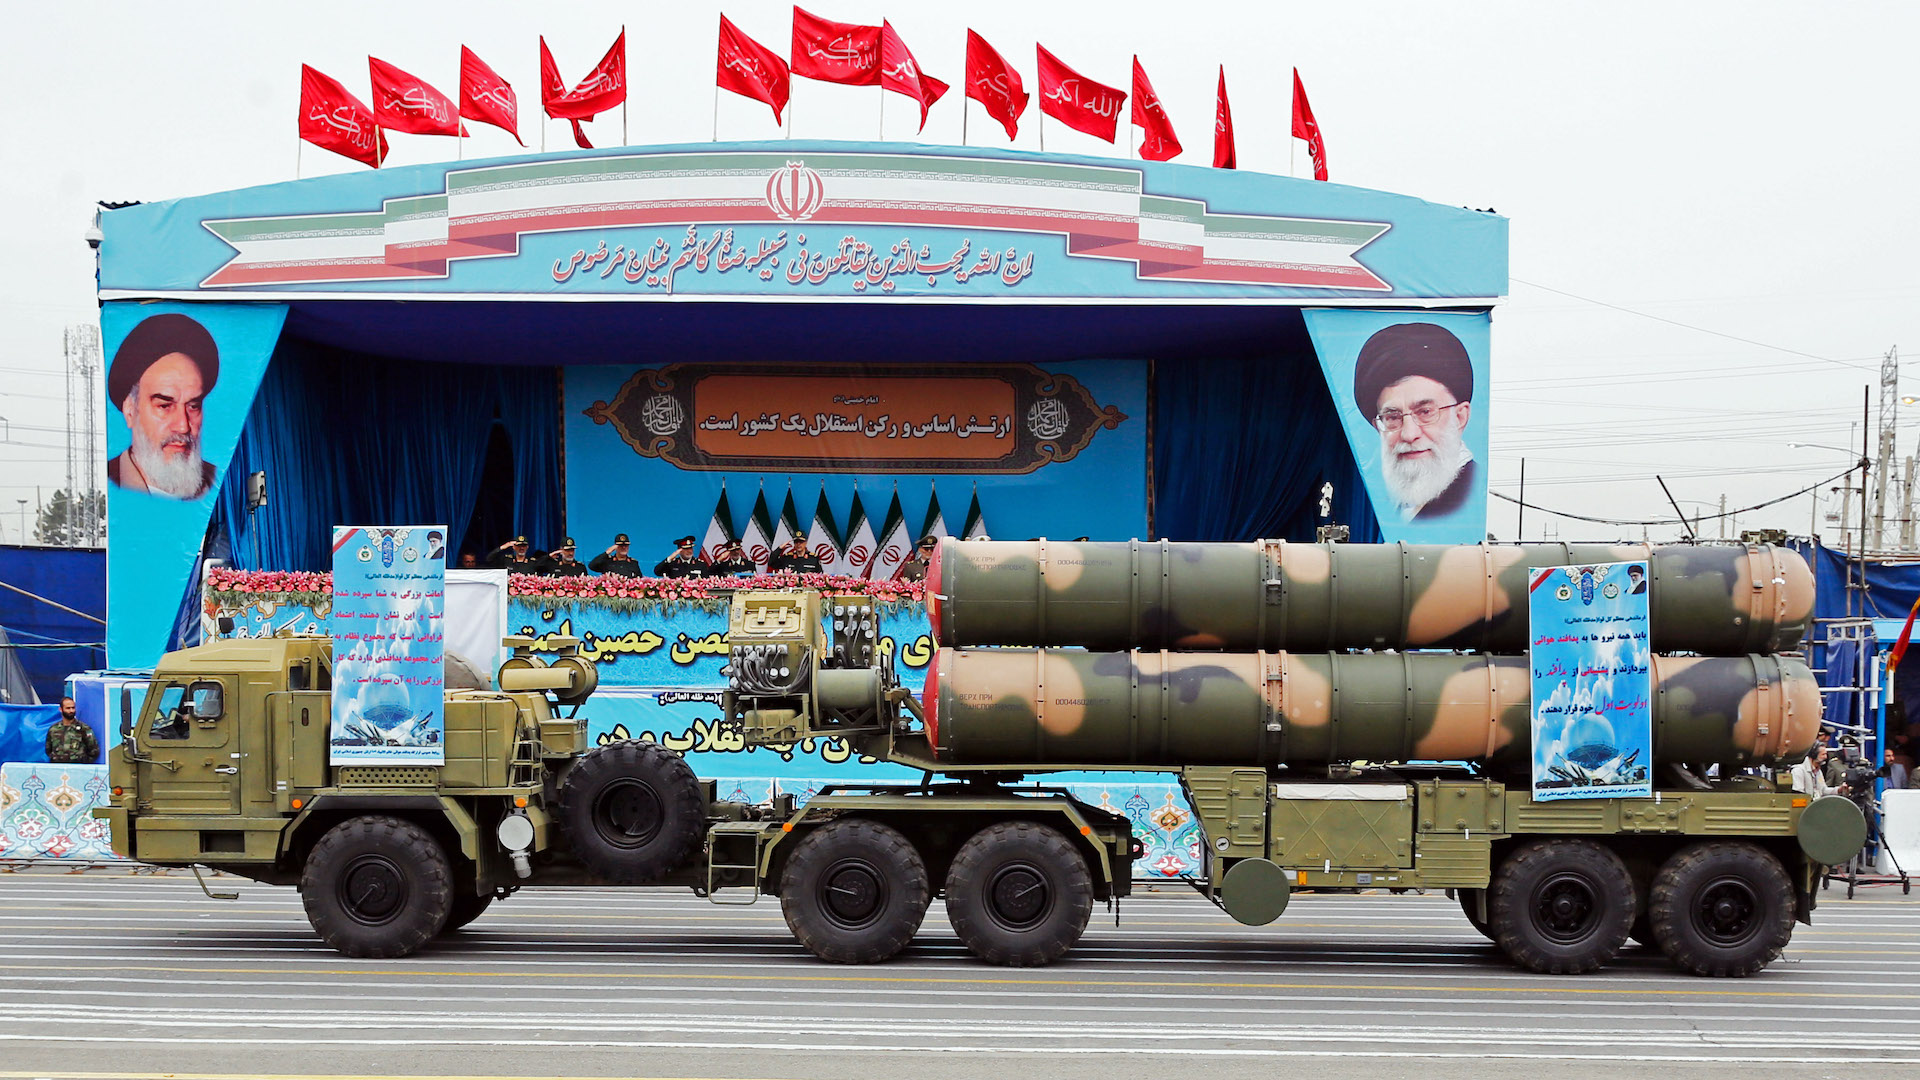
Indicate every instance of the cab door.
{"type": "Point", "coordinates": [186, 738]}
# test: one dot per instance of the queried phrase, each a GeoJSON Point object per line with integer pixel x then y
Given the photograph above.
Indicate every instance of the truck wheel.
{"type": "Point", "coordinates": [1019, 894]}
{"type": "Point", "coordinates": [1722, 909]}
{"type": "Point", "coordinates": [1470, 907]}
{"type": "Point", "coordinates": [466, 908]}
{"type": "Point", "coordinates": [377, 887]}
{"type": "Point", "coordinates": [854, 892]}
{"type": "Point", "coordinates": [632, 811]}
{"type": "Point", "coordinates": [1561, 907]}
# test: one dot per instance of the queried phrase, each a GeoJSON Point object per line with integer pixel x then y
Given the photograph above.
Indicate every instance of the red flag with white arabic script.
{"type": "Point", "coordinates": [1077, 101]}
{"type": "Point", "coordinates": [835, 52]}
{"type": "Point", "coordinates": [900, 72]}
{"type": "Point", "coordinates": [1306, 127]}
{"type": "Point", "coordinates": [335, 120]}
{"type": "Point", "coordinates": [992, 82]}
{"type": "Point", "coordinates": [402, 102]}
{"type": "Point", "coordinates": [486, 97]}
{"type": "Point", "coordinates": [603, 88]}
{"type": "Point", "coordinates": [750, 69]}
{"type": "Point", "coordinates": [1160, 142]}
{"type": "Point", "coordinates": [1223, 154]}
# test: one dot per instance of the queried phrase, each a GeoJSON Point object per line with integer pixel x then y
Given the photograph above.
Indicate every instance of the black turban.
{"type": "Point", "coordinates": [154, 338]}
{"type": "Point", "coordinates": [1407, 349]}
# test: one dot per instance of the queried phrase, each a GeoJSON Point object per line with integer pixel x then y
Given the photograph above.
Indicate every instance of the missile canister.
{"type": "Point", "coordinates": [1160, 709]}
{"type": "Point", "coordinates": [1723, 600]}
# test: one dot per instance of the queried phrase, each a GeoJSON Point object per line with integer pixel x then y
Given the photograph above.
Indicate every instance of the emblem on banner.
{"type": "Point", "coordinates": [794, 193]}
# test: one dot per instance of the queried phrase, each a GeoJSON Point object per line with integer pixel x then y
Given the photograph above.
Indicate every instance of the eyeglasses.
{"type": "Point", "coordinates": [1391, 419]}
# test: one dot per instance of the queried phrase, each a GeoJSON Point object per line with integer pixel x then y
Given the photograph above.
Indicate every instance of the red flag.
{"type": "Point", "coordinates": [1077, 101]}
{"type": "Point", "coordinates": [835, 52]}
{"type": "Point", "coordinates": [1305, 127]}
{"type": "Point", "coordinates": [1223, 155]}
{"type": "Point", "coordinates": [1160, 142]}
{"type": "Point", "coordinates": [992, 82]}
{"type": "Point", "coordinates": [335, 120]}
{"type": "Point", "coordinates": [486, 97]}
{"type": "Point", "coordinates": [750, 69]}
{"type": "Point", "coordinates": [1900, 647]}
{"type": "Point", "coordinates": [603, 88]}
{"type": "Point", "coordinates": [402, 102]}
{"type": "Point", "coordinates": [900, 72]}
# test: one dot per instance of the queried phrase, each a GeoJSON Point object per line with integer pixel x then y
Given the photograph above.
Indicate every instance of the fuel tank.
{"type": "Point", "coordinates": [1718, 600]}
{"type": "Point", "coordinates": [1163, 709]}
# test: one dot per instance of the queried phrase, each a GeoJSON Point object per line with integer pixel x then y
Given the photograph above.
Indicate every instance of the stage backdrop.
{"type": "Point", "coordinates": [1059, 451]}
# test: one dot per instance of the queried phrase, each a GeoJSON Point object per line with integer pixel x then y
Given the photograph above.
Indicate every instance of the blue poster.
{"type": "Point", "coordinates": [1592, 682]}
{"type": "Point", "coordinates": [1412, 390]}
{"type": "Point", "coordinates": [180, 380]}
{"type": "Point", "coordinates": [389, 603]}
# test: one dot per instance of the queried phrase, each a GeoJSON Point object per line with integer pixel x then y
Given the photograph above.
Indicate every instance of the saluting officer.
{"type": "Point", "coordinates": [564, 564]}
{"type": "Point", "coordinates": [684, 562]}
{"type": "Point", "coordinates": [732, 559]}
{"type": "Point", "coordinates": [915, 568]}
{"type": "Point", "coordinates": [615, 559]}
{"type": "Point", "coordinates": [515, 557]}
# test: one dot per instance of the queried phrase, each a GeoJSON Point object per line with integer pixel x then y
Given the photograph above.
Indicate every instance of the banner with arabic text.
{"type": "Point", "coordinates": [389, 607]}
{"type": "Point", "coordinates": [1592, 682]}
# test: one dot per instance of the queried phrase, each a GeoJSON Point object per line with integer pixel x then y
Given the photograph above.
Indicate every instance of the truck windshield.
{"type": "Point", "coordinates": [172, 715]}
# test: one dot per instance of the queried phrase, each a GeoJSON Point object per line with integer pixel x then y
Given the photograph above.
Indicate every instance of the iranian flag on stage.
{"type": "Point", "coordinates": [719, 529]}
{"type": "Point", "coordinates": [853, 561]}
{"type": "Point", "coordinates": [788, 526]}
{"type": "Point", "coordinates": [823, 538]}
{"type": "Point", "coordinates": [757, 537]}
{"type": "Point", "coordinates": [936, 525]}
{"type": "Point", "coordinates": [894, 546]}
{"type": "Point", "coordinates": [975, 527]}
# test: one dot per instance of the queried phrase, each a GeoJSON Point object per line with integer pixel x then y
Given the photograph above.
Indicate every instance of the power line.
{"type": "Point", "coordinates": [1672, 521]}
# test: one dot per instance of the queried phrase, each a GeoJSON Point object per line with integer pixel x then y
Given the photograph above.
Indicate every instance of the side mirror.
{"type": "Point", "coordinates": [206, 702]}
{"type": "Point", "coordinates": [126, 714]}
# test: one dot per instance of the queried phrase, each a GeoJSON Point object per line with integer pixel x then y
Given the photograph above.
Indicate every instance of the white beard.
{"type": "Point", "coordinates": [1415, 482]}
{"type": "Point", "coordinates": [178, 475]}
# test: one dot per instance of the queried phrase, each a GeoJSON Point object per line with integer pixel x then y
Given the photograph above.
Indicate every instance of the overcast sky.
{"type": "Point", "coordinates": [1713, 209]}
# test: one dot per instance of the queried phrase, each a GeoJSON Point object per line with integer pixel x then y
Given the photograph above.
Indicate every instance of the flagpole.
{"type": "Point", "coordinates": [296, 156]}
{"type": "Point", "coordinates": [626, 91]}
{"type": "Point", "coordinates": [883, 114]}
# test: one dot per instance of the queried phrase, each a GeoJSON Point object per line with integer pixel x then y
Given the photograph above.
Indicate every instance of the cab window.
{"type": "Point", "coordinates": [173, 716]}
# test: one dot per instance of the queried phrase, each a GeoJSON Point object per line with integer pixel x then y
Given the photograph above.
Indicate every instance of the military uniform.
{"type": "Point", "coordinates": [795, 561]}
{"type": "Point", "coordinates": [533, 562]}
{"type": "Point", "coordinates": [617, 563]}
{"type": "Point", "coordinates": [563, 564]}
{"type": "Point", "coordinates": [731, 561]}
{"type": "Point", "coordinates": [71, 742]}
{"type": "Point", "coordinates": [684, 562]}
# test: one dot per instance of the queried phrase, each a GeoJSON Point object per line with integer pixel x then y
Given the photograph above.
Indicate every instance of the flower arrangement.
{"type": "Point", "coordinates": [232, 588]}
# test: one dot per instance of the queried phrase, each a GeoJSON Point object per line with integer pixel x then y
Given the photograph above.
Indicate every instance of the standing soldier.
{"type": "Point", "coordinates": [731, 560]}
{"type": "Point", "coordinates": [70, 742]}
{"type": "Point", "coordinates": [563, 563]}
{"type": "Point", "coordinates": [615, 560]}
{"type": "Point", "coordinates": [915, 568]}
{"type": "Point", "coordinates": [684, 562]}
{"type": "Point", "coordinates": [515, 558]}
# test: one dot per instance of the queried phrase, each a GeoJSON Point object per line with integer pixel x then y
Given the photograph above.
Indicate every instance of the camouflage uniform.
{"type": "Point", "coordinates": [71, 742]}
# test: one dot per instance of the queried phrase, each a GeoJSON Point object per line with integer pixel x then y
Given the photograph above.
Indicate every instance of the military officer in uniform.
{"type": "Point", "coordinates": [684, 562]}
{"type": "Point", "coordinates": [563, 564]}
{"type": "Point", "coordinates": [615, 559]}
{"type": "Point", "coordinates": [915, 568]}
{"type": "Point", "coordinates": [70, 742]}
{"type": "Point", "coordinates": [732, 560]}
{"type": "Point", "coordinates": [515, 557]}
{"type": "Point", "coordinates": [794, 558]}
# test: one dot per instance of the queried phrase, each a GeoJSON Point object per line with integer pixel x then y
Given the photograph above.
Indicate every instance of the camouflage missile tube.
{"type": "Point", "coordinates": [1041, 707]}
{"type": "Point", "coordinates": [1303, 598]}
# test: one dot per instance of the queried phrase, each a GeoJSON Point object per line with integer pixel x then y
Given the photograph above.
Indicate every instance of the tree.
{"type": "Point", "coordinates": [69, 520]}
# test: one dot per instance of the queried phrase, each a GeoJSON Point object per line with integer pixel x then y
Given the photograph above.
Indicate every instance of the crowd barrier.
{"type": "Point", "coordinates": [46, 812]}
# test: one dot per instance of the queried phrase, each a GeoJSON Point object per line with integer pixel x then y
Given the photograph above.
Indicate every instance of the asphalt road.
{"type": "Point", "coordinates": [110, 973]}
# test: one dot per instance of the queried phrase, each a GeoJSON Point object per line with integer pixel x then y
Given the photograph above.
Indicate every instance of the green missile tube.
{"type": "Point", "coordinates": [1718, 600]}
{"type": "Point", "coordinates": [1014, 707]}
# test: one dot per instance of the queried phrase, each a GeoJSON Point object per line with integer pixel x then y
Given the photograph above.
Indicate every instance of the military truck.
{"type": "Point", "coordinates": [1375, 754]}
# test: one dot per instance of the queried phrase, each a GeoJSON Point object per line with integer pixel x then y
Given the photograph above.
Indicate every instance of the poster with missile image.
{"type": "Point", "coordinates": [389, 603]}
{"type": "Point", "coordinates": [1592, 675]}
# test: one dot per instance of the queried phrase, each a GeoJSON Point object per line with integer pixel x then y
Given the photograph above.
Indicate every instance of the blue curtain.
{"type": "Point", "coordinates": [348, 439]}
{"type": "Point", "coordinates": [1242, 445]}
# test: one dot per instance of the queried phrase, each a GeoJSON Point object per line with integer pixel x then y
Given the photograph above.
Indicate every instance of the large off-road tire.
{"type": "Point", "coordinates": [854, 892]}
{"type": "Point", "coordinates": [1561, 907]}
{"type": "Point", "coordinates": [1722, 909]}
{"type": "Point", "coordinates": [377, 887]}
{"type": "Point", "coordinates": [1470, 907]}
{"type": "Point", "coordinates": [632, 812]}
{"type": "Point", "coordinates": [1019, 894]}
{"type": "Point", "coordinates": [466, 908]}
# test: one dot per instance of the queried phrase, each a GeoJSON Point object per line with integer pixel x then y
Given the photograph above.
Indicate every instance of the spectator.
{"type": "Point", "coordinates": [468, 562]}
{"type": "Point", "coordinates": [615, 559]}
{"type": "Point", "coordinates": [70, 742]}
{"type": "Point", "coordinates": [1894, 772]}
{"type": "Point", "coordinates": [515, 557]}
{"type": "Point", "coordinates": [684, 562]}
{"type": "Point", "coordinates": [562, 563]}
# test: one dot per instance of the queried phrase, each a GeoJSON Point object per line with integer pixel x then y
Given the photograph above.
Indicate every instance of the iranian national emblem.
{"type": "Point", "coordinates": [794, 193]}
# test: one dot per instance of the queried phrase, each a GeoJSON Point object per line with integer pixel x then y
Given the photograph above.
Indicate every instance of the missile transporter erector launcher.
{"type": "Point", "coordinates": [1275, 680]}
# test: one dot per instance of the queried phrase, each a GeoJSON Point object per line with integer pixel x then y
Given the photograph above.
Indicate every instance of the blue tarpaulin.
{"type": "Point", "coordinates": [50, 643]}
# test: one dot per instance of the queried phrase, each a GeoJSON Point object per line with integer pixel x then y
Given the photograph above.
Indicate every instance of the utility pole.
{"type": "Point", "coordinates": [1883, 462]}
{"type": "Point", "coordinates": [1906, 509]}
{"type": "Point", "coordinates": [1723, 515]}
